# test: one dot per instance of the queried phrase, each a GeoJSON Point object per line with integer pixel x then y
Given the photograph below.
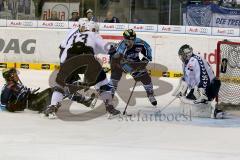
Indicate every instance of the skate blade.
{"type": "Point", "coordinates": [50, 116]}
{"type": "Point", "coordinates": [127, 115]}
{"type": "Point", "coordinates": [94, 102]}
{"type": "Point", "coordinates": [221, 115]}
{"type": "Point", "coordinates": [111, 116]}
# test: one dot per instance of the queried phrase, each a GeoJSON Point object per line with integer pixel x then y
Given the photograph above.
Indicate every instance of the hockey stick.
{"type": "Point", "coordinates": [167, 105]}
{"type": "Point", "coordinates": [18, 77]}
{"type": "Point", "coordinates": [124, 112]}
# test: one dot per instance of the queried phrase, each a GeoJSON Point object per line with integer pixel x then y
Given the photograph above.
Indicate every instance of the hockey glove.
{"type": "Point", "coordinates": [34, 91]}
{"type": "Point", "coordinates": [23, 94]}
{"type": "Point", "coordinates": [112, 51]}
{"type": "Point", "coordinates": [145, 60]}
{"type": "Point", "coordinates": [181, 89]}
{"type": "Point", "coordinates": [200, 95]}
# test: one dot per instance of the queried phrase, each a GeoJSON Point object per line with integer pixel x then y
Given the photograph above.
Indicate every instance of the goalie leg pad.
{"type": "Point", "coordinates": [202, 110]}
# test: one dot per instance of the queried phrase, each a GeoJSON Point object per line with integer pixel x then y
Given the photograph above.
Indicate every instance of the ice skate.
{"type": "Point", "coordinates": [217, 114]}
{"type": "Point", "coordinates": [94, 101]}
{"type": "Point", "coordinates": [89, 102]}
{"type": "Point", "coordinates": [112, 112]}
{"type": "Point", "coordinates": [51, 111]}
{"type": "Point", "coordinates": [152, 99]}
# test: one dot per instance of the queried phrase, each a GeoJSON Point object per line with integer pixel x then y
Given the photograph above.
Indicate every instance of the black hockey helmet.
{"type": "Point", "coordinates": [129, 34]}
{"type": "Point", "coordinates": [8, 74]}
{"type": "Point", "coordinates": [185, 52]}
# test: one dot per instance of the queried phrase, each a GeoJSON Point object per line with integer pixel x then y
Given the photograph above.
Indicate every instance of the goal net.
{"type": "Point", "coordinates": [228, 71]}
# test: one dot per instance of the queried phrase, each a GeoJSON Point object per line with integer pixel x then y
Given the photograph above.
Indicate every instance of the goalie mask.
{"type": "Point", "coordinates": [185, 53]}
{"type": "Point", "coordinates": [10, 74]}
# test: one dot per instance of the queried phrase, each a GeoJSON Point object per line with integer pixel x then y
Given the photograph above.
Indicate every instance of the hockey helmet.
{"type": "Point", "coordinates": [9, 74]}
{"type": "Point", "coordinates": [129, 34]}
{"type": "Point", "coordinates": [185, 52]}
{"type": "Point", "coordinates": [93, 26]}
{"type": "Point", "coordinates": [83, 23]}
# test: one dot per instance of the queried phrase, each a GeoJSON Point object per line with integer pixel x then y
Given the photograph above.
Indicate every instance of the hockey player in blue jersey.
{"type": "Point", "coordinates": [198, 84]}
{"type": "Point", "coordinates": [125, 57]}
{"type": "Point", "coordinates": [17, 97]}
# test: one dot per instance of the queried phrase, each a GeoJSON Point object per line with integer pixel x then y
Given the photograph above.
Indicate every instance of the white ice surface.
{"type": "Point", "coordinates": [27, 136]}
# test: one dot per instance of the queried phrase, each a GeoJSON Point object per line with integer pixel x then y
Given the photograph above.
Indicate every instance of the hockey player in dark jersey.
{"type": "Point", "coordinates": [125, 58]}
{"type": "Point", "coordinates": [17, 97]}
{"type": "Point", "coordinates": [198, 86]}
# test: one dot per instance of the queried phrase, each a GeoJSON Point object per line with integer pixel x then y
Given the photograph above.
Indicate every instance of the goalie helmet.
{"type": "Point", "coordinates": [9, 74]}
{"type": "Point", "coordinates": [185, 52]}
{"type": "Point", "coordinates": [129, 34]}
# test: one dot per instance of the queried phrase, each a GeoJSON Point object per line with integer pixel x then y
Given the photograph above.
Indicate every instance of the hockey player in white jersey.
{"type": "Point", "coordinates": [78, 42]}
{"type": "Point", "coordinates": [198, 86]}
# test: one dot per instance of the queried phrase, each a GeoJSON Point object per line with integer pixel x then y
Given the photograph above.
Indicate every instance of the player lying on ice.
{"type": "Point", "coordinates": [17, 97]}
{"type": "Point", "coordinates": [125, 58]}
{"type": "Point", "coordinates": [198, 86]}
{"type": "Point", "coordinates": [77, 57]}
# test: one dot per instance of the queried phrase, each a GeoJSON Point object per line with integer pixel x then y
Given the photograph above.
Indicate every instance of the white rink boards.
{"type": "Point", "coordinates": [26, 136]}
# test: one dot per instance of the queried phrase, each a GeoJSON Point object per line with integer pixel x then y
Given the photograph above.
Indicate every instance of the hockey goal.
{"type": "Point", "coordinates": [228, 71]}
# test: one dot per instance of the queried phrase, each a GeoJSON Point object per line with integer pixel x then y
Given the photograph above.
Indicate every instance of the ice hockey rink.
{"type": "Point", "coordinates": [28, 136]}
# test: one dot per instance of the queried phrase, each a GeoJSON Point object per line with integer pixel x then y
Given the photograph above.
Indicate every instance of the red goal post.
{"type": "Point", "coordinates": [228, 71]}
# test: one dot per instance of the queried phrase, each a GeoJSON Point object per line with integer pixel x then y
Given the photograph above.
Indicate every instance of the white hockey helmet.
{"type": "Point", "coordinates": [83, 23]}
{"type": "Point", "coordinates": [93, 26]}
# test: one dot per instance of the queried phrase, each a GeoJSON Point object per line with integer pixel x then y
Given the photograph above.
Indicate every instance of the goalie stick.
{"type": "Point", "coordinates": [167, 105]}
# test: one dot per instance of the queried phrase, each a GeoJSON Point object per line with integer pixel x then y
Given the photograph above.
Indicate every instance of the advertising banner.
{"type": "Point", "coordinates": [63, 11]}
{"type": "Point", "coordinates": [113, 26]}
{"type": "Point", "coordinates": [211, 15]}
{"type": "Point", "coordinates": [199, 30]}
{"type": "Point", "coordinates": [22, 23]}
{"type": "Point", "coordinates": [143, 27]}
{"type": "Point", "coordinates": [40, 45]}
{"type": "Point", "coordinates": [53, 24]}
{"type": "Point", "coordinates": [171, 29]}
{"type": "Point", "coordinates": [225, 32]}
